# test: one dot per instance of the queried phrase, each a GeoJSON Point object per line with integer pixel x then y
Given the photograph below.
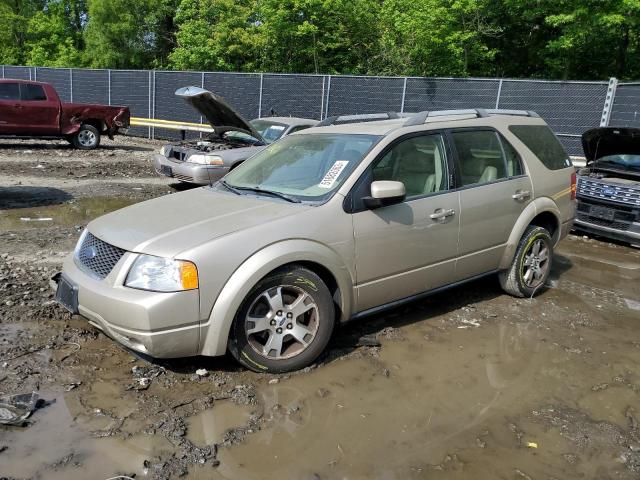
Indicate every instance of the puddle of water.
{"type": "Point", "coordinates": [76, 212]}
{"type": "Point", "coordinates": [209, 426]}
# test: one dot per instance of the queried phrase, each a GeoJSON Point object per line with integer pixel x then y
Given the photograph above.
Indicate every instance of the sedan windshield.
{"type": "Point", "coordinates": [631, 162]}
{"type": "Point", "coordinates": [308, 167]}
{"type": "Point", "coordinates": [270, 131]}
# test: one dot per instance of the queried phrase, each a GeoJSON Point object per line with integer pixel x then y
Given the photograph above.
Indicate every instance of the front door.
{"type": "Point", "coordinates": [411, 247]}
{"type": "Point", "coordinates": [9, 107]}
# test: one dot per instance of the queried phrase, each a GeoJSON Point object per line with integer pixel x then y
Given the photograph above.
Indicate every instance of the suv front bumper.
{"type": "Point", "coordinates": [609, 219]}
{"type": "Point", "coordinates": [188, 172]}
{"type": "Point", "coordinates": [162, 325]}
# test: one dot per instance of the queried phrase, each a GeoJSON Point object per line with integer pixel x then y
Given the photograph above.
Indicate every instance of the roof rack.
{"type": "Point", "coordinates": [365, 117]}
{"type": "Point", "coordinates": [421, 117]}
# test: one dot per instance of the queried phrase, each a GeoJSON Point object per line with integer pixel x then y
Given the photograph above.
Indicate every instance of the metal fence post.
{"type": "Point", "coordinates": [3, 71]}
{"type": "Point", "coordinates": [260, 97]}
{"type": "Point", "coordinates": [149, 103]}
{"type": "Point", "coordinates": [71, 84]}
{"type": "Point", "coordinates": [322, 99]}
{"type": "Point", "coordinates": [608, 102]}
{"type": "Point", "coordinates": [153, 103]}
{"type": "Point", "coordinates": [109, 85]}
{"type": "Point", "coordinates": [326, 104]}
{"type": "Point", "coordinates": [404, 93]}
{"type": "Point", "coordinates": [35, 74]}
{"type": "Point", "coordinates": [499, 93]}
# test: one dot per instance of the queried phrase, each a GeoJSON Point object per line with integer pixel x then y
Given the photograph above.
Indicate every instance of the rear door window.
{"type": "Point", "coordinates": [544, 145]}
{"type": "Point", "coordinates": [9, 91]}
{"type": "Point", "coordinates": [32, 92]}
{"type": "Point", "coordinates": [481, 156]}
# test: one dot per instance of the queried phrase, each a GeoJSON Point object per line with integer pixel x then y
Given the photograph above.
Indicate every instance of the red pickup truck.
{"type": "Point", "coordinates": [33, 109]}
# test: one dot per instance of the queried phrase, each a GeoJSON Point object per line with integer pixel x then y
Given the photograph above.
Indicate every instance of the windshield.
{"type": "Point", "coordinates": [270, 131]}
{"type": "Point", "coordinates": [308, 167]}
{"type": "Point", "coordinates": [631, 162]}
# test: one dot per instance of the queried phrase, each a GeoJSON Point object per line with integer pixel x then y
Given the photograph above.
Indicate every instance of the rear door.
{"type": "Point", "coordinates": [10, 107]}
{"type": "Point", "coordinates": [494, 190]}
{"type": "Point", "coordinates": [411, 247]}
{"type": "Point", "coordinates": [39, 114]}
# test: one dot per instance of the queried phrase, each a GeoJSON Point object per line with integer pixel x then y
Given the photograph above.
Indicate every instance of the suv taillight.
{"type": "Point", "coordinates": [573, 185]}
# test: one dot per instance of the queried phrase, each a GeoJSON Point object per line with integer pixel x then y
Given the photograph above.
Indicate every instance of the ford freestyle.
{"type": "Point", "coordinates": [327, 224]}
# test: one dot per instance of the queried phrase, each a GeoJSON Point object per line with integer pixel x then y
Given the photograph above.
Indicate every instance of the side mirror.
{"type": "Point", "coordinates": [384, 193]}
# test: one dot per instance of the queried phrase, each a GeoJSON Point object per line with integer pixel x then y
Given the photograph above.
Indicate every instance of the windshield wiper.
{"type": "Point", "coordinates": [284, 196]}
{"type": "Point", "coordinates": [230, 188]}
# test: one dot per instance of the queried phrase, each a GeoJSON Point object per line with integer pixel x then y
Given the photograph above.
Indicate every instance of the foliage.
{"type": "Point", "coordinates": [578, 39]}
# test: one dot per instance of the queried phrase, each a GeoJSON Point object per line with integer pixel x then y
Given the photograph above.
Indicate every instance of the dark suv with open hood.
{"type": "Point", "coordinates": [232, 141]}
{"type": "Point", "coordinates": [609, 185]}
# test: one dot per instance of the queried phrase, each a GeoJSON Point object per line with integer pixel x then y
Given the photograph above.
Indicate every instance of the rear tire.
{"type": "Point", "coordinates": [531, 264]}
{"type": "Point", "coordinates": [87, 138]}
{"type": "Point", "coordinates": [284, 323]}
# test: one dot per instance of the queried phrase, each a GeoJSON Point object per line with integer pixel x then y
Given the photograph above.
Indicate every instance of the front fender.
{"type": "Point", "coordinates": [536, 207]}
{"type": "Point", "coordinates": [214, 334]}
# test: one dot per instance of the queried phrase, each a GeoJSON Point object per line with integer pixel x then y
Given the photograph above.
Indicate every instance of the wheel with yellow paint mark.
{"type": "Point", "coordinates": [531, 264]}
{"type": "Point", "coordinates": [284, 323]}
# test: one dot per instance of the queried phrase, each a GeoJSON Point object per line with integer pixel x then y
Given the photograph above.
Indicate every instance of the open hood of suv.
{"type": "Point", "coordinates": [220, 115]}
{"type": "Point", "coordinates": [604, 141]}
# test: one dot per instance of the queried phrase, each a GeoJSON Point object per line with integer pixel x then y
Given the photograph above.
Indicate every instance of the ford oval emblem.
{"type": "Point", "coordinates": [90, 253]}
{"type": "Point", "coordinates": [609, 191]}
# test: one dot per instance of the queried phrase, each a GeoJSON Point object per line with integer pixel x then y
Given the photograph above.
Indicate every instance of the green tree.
{"type": "Point", "coordinates": [128, 33]}
{"type": "Point", "coordinates": [436, 37]}
{"type": "Point", "coordinates": [54, 35]}
{"type": "Point", "coordinates": [319, 36]}
{"type": "Point", "coordinates": [214, 35]}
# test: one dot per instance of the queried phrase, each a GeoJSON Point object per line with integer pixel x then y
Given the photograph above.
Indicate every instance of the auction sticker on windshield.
{"type": "Point", "coordinates": [333, 173]}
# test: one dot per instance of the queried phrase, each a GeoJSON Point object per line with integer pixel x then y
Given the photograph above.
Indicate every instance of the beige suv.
{"type": "Point", "coordinates": [329, 224]}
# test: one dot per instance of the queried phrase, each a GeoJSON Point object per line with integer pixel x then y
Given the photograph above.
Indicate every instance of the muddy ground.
{"type": "Point", "coordinates": [469, 383]}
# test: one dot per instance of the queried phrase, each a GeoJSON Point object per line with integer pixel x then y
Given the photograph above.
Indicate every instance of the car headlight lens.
{"type": "Point", "coordinates": [162, 274]}
{"type": "Point", "coordinates": [205, 159]}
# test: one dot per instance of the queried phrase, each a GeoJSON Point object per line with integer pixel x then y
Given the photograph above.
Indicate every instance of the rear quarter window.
{"type": "Point", "coordinates": [9, 91]}
{"type": "Point", "coordinates": [544, 145]}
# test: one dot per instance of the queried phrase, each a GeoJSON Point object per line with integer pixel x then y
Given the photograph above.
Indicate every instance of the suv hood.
{"type": "Point", "coordinates": [601, 142]}
{"type": "Point", "coordinates": [220, 115]}
{"type": "Point", "coordinates": [168, 225]}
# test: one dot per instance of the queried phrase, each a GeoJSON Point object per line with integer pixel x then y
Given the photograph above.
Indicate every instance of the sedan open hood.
{"type": "Point", "coordinates": [604, 141]}
{"type": "Point", "coordinates": [220, 115]}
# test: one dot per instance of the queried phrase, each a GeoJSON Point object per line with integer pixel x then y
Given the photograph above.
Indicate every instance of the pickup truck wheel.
{"type": "Point", "coordinates": [531, 264]}
{"type": "Point", "coordinates": [87, 138]}
{"type": "Point", "coordinates": [284, 323]}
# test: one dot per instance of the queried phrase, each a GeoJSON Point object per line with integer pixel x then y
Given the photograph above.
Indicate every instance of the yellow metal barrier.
{"type": "Point", "coordinates": [183, 127]}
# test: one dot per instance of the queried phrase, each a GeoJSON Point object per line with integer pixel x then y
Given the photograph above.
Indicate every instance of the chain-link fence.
{"type": "Point", "coordinates": [570, 108]}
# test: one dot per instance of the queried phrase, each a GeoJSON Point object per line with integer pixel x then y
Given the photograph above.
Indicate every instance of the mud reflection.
{"type": "Point", "coordinates": [75, 212]}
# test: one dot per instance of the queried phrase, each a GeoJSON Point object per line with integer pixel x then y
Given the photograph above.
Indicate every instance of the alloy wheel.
{"type": "Point", "coordinates": [282, 322]}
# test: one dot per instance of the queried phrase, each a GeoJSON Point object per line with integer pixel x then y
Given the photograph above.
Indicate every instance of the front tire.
{"type": "Point", "coordinates": [531, 264]}
{"type": "Point", "coordinates": [284, 323]}
{"type": "Point", "coordinates": [87, 138]}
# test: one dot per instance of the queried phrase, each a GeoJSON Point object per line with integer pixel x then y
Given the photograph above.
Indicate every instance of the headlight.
{"type": "Point", "coordinates": [162, 274]}
{"type": "Point", "coordinates": [205, 159]}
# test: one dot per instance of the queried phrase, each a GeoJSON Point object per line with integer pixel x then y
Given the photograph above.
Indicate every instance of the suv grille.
{"type": "Point", "coordinates": [97, 256]}
{"type": "Point", "coordinates": [614, 192]}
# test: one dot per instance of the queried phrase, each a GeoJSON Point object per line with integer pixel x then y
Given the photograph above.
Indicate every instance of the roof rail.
{"type": "Point", "coordinates": [421, 117]}
{"type": "Point", "coordinates": [365, 117]}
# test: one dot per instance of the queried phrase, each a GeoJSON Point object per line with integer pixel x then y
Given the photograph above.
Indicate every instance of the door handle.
{"type": "Point", "coordinates": [441, 214]}
{"type": "Point", "coordinates": [521, 195]}
{"type": "Point", "coordinates": [18, 106]}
